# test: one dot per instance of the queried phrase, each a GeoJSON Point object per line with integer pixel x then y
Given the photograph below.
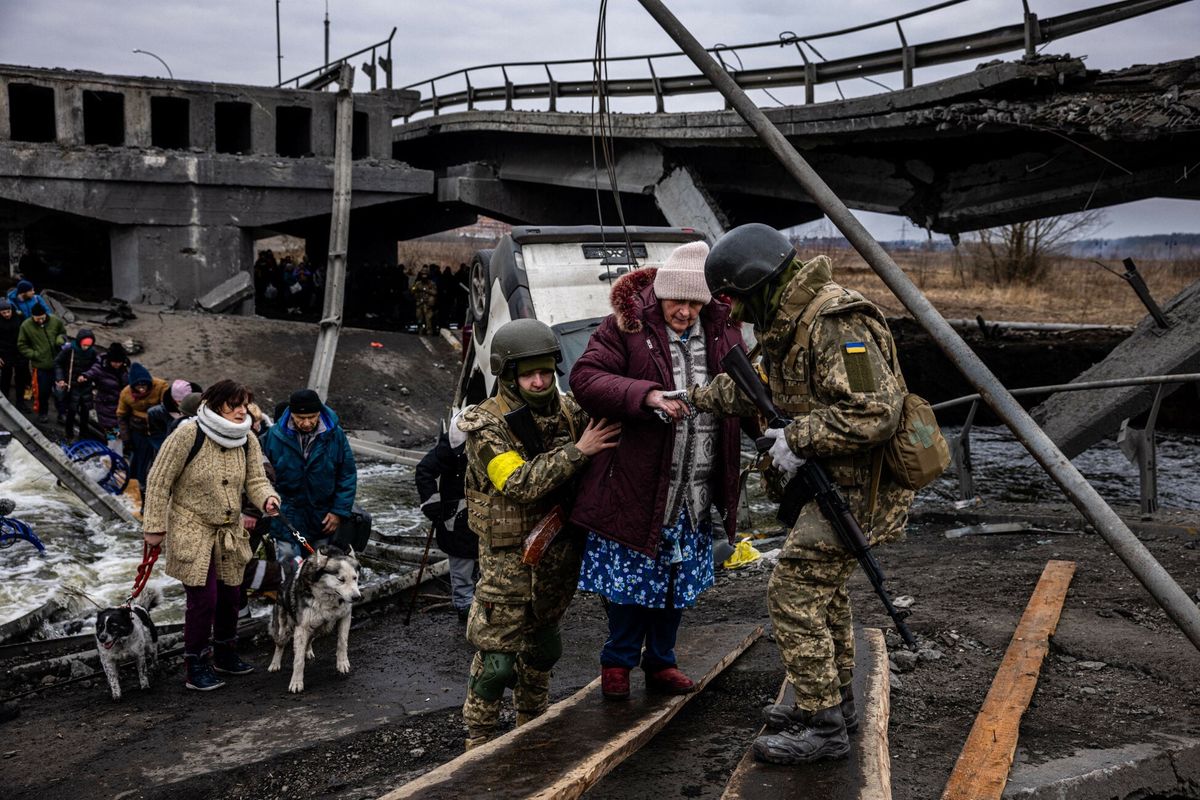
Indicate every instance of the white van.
{"type": "Point", "coordinates": [559, 275]}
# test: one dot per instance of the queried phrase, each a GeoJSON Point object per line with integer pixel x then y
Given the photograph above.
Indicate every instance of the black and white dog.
{"type": "Point", "coordinates": [126, 632]}
{"type": "Point", "coordinates": [313, 600]}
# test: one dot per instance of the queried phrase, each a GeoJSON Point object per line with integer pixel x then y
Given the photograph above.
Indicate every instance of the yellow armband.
{"type": "Point", "coordinates": [502, 466]}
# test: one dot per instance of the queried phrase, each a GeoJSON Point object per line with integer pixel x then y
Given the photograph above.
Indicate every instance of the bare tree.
{"type": "Point", "coordinates": [1022, 251]}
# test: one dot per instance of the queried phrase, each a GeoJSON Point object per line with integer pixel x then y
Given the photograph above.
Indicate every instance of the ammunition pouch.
{"type": "Point", "coordinates": [499, 522]}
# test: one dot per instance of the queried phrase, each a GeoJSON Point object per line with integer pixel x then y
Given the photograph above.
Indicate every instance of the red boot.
{"type": "Point", "coordinates": [669, 681]}
{"type": "Point", "coordinates": [614, 683]}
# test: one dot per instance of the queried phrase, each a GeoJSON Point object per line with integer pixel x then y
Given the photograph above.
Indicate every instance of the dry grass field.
{"type": "Point", "coordinates": [1077, 290]}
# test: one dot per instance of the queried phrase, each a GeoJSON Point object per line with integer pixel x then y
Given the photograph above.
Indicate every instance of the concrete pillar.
{"type": "Point", "coordinates": [324, 117]}
{"type": "Point", "coordinates": [685, 204]}
{"type": "Point", "coordinates": [68, 114]}
{"type": "Point", "coordinates": [5, 128]}
{"type": "Point", "coordinates": [262, 128]}
{"type": "Point", "coordinates": [171, 265]}
{"type": "Point", "coordinates": [202, 123]}
{"type": "Point", "coordinates": [137, 117]}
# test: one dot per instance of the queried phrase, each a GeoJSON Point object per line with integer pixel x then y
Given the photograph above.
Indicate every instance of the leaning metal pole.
{"type": "Point", "coordinates": [339, 237]}
{"type": "Point", "coordinates": [1166, 592]}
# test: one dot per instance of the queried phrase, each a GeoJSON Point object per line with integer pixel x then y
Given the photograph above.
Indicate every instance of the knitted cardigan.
{"type": "Point", "coordinates": [199, 507]}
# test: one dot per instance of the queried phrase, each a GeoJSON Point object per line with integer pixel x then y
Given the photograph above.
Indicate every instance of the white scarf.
{"type": "Point", "coordinates": [224, 432]}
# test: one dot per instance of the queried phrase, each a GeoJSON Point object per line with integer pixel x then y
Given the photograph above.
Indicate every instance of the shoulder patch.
{"type": "Point", "coordinates": [475, 418]}
{"type": "Point", "coordinates": [859, 374]}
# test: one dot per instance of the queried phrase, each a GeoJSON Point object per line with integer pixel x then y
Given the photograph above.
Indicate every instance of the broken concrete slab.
{"type": "Point", "coordinates": [227, 294]}
{"type": "Point", "coordinates": [1168, 767]}
{"type": "Point", "coordinates": [1077, 420]}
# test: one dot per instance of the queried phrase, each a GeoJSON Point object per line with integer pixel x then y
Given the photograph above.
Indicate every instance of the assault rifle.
{"type": "Point", "coordinates": [812, 482]}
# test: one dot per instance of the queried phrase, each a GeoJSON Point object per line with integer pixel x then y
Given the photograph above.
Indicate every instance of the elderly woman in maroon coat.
{"type": "Point", "coordinates": [647, 503]}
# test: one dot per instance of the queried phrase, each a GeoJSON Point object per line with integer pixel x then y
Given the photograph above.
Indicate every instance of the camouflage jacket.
{"type": "Point", "coordinates": [835, 379]}
{"type": "Point", "coordinates": [424, 291]}
{"type": "Point", "coordinates": [508, 491]}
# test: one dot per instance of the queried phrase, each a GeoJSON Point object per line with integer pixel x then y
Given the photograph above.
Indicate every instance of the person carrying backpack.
{"type": "Point", "coordinates": [830, 365]}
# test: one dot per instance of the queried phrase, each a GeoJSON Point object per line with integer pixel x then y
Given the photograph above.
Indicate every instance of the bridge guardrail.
{"type": "Point", "coordinates": [1138, 445]}
{"type": "Point", "coordinates": [1027, 35]}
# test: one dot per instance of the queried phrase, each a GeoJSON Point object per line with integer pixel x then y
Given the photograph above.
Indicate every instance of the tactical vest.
{"type": "Point", "coordinates": [495, 519]}
{"type": "Point", "coordinates": [788, 362]}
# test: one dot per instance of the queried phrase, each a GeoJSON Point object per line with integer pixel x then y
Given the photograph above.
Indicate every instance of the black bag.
{"type": "Point", "coordinates": [354, 531]}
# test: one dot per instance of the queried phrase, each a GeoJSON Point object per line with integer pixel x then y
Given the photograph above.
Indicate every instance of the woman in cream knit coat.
{"type": "Point", "coordinates": [195, 507]}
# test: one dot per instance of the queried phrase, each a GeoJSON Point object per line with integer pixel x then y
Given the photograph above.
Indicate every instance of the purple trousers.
{"type": "Point", "coordinates": [212, 612]}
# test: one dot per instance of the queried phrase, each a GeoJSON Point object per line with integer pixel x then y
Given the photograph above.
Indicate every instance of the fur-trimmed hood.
{"type": "Point", "coordinates": [627, 300]}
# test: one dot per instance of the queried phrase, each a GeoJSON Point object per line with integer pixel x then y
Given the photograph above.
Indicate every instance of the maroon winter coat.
{"type": "Point", "coordinates": [623, 492]}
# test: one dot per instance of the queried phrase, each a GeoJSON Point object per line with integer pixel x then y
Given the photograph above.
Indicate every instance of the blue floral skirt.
{"type": "Point", "coordinates": [628, 577]}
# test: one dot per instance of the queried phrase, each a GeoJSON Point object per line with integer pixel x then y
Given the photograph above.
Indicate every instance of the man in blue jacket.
{"type": "Point", "coordinates": [314, 473]}
{"type": "Point", "coordinates": [23, 298]}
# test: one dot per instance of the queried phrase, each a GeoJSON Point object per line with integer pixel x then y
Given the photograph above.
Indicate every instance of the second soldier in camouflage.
{"type": "Point", "coordinates": [511, 484]}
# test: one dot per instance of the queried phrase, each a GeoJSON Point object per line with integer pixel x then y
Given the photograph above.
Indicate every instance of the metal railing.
{"type": "Point", "coordinates": [327, 74]}
{"type": "Point", "coordinates": [1138, 444]}
{"type": "Point", "coordinates": [809, 72]}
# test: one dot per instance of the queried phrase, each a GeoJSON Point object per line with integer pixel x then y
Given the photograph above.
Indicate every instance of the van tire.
{"type": "Point", "coordinates": [480, 279]}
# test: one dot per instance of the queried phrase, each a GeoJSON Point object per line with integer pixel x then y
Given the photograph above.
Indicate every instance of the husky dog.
{"type": "Point", "coordinates": [313, 599]}
{"type": "Point", "coordinates": [128, 631]}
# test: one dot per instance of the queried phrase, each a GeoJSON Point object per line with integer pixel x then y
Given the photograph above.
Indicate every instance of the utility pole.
{"type": "Point", "coordinates": [327, 33]}
{"type": "Point", "coordinates": [278, 50]}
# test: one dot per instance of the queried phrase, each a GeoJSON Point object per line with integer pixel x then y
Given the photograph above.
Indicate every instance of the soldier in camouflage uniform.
{"type": "Point", "coordinates": [425, 293]}
{"type": "Point", "coordinates": [515, 614]}
{"type": "Point", "coordinates": [830, 364]}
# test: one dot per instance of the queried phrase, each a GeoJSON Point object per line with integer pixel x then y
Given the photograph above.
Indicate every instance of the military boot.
{"type": "Point", "coordinates": [481, 717]}
{"type": "Point", "coordinates": [778, 716]}
{"type": "Point", "coordinates": [531, 695]}
{"type": "Point", "coordinates": [821, 735]}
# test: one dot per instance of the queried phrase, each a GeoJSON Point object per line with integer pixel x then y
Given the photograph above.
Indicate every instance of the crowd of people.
{"type": "Point", "coordinates": [610, 489]}
{"type": "Point", "coordinates": [422, 299]}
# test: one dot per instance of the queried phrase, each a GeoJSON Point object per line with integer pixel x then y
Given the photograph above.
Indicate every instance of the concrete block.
{"type": "Point", "coordinates": [1166, 767]}
{"type": "Point", "coordinates": [224, 296]}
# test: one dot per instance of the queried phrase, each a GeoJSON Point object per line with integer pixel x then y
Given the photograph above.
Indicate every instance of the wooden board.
{"type": "Point", "coordinates": [865, 774]}
{"type": "Point", "coordinates": [575, 743]}
{"type": "Point", "coordinates": [983, 766]}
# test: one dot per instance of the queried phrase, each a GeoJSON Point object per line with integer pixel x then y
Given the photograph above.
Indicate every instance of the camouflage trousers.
{"type": "Point", "coordinates": [425, 320]}
{"type": "Point", "coordinates": [810, 612]}
{"type": "Point", "coordinates": [514, 624]}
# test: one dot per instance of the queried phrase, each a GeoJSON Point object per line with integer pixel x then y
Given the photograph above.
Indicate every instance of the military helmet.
{"type": "Point", "coordinates": [522, 338]}
{"type": "Point", "coordinates": [745, 258]}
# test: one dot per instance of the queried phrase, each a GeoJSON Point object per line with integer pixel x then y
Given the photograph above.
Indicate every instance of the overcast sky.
{"type": "Point", "coordinates": [234, 41]}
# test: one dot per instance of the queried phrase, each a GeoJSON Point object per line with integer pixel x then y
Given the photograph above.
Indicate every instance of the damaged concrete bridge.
{"type": "Point", "coordinates": [160, 187]}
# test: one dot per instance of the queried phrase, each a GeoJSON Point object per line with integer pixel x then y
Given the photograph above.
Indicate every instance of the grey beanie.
{"type": "Point", "coordinates": [5, 305]}
{"type": "Point", "coordinates": [682, 277]}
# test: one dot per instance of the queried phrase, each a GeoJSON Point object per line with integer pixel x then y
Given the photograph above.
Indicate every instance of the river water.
{"type": "Point", "coordinates": [84, 552]}
{"type": "Point", "coordinates": [101, 558]}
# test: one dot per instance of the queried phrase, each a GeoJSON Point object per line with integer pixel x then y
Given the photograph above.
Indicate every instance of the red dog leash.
{"type": "Point", "coordinates": [149, 556]}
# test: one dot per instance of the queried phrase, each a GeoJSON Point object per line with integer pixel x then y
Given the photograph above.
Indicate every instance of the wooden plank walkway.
{"type": "Point", "coordinates": [983, 766]}
{"type": "Point", "coordinates": [580, 739]}
{"type": "Point", "coordinates": [865, 774]}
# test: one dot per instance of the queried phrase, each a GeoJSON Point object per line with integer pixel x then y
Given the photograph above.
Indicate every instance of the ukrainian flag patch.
{"type": "Point", "coordinates": [859, 374]}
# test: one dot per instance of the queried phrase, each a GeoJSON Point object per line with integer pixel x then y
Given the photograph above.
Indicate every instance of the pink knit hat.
{"type": "Point", "coordinates": [682, 277]}
{"type": "Point", "coordinates": [179, 390]}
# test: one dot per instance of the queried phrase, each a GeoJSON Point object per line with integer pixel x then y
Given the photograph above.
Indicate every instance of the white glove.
{"type": "Point", "coordinates": [782, 456]}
